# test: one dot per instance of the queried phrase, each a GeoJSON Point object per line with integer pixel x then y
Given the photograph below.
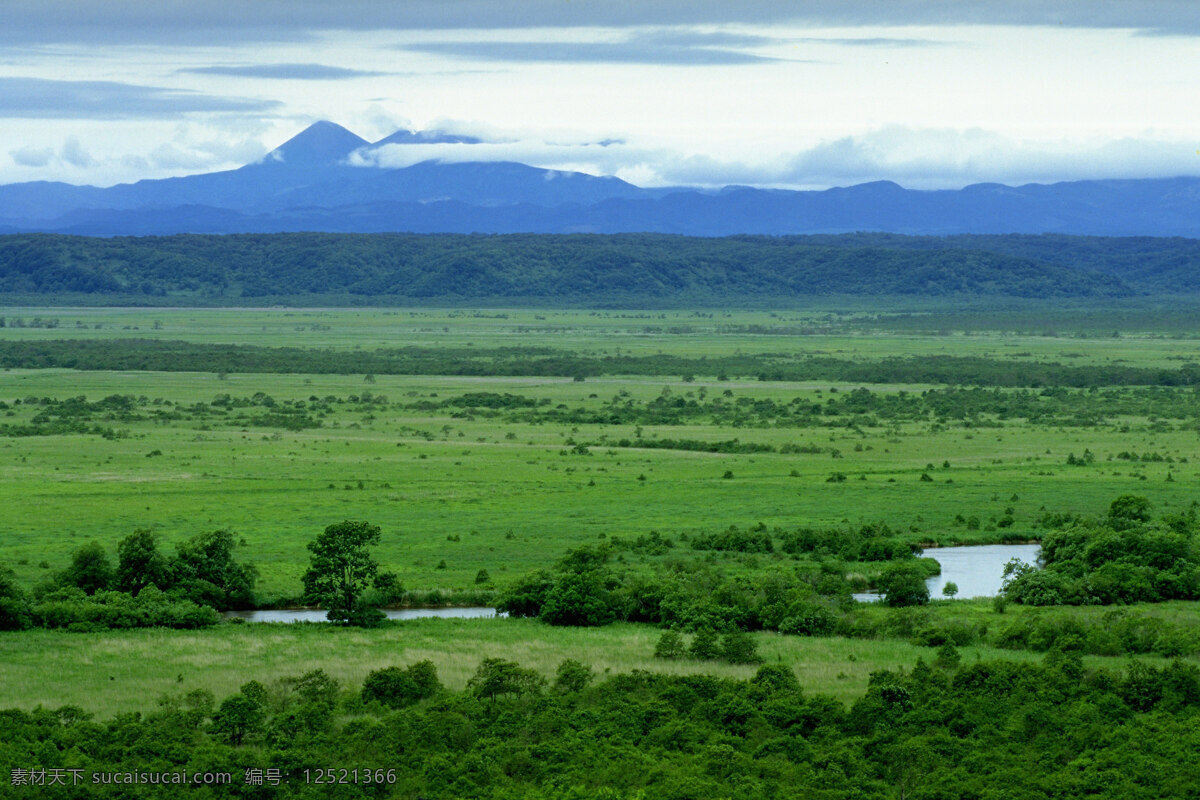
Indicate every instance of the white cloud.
{"type": "Point", "coordinates": [915, 158]}
{"type": "Point", "coordinates": [74, 153]}
{"type": "Point", "coordinates": [593, 157]}
{"type": "Point", "coordinates": [31, 156]}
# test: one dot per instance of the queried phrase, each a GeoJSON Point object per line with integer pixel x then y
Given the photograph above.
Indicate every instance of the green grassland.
{"type": "Point", "coordinates": [123, 671]}
{"type": "Point", "coordinates": [1146, 339]}
{"type": "Point", "coordinates": [507, 491]}
{"type": "Point", "coordinates": [460, 485]}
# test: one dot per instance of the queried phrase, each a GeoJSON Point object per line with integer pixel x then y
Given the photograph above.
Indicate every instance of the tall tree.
{"type": "Point", "coordinates": [139, 563]}
{"type": "Point", "coordinates": [340, 571]}
{"type": "Point", "coordinates": [207, 572]}
{"type": "Point", "coordinates": [90, 569]}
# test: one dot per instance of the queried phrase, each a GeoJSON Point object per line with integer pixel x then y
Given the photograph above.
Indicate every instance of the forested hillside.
{"type": "Point", "coordinates": [624, 269]}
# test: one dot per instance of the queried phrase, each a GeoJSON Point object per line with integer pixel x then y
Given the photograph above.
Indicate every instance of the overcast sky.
{"type": "Point", "coordinates": [928, 93]}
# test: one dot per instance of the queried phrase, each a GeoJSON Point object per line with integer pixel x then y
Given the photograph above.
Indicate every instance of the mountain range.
{"type": "Point", "coordinates": [313, 182]}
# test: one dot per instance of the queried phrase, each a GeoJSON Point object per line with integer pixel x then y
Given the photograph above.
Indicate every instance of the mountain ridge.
{"type": "Point", "coordinates": [310, 183]}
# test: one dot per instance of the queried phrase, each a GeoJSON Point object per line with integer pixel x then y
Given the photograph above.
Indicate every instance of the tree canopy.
{"type": "Point", "coordinates": [341, 569]}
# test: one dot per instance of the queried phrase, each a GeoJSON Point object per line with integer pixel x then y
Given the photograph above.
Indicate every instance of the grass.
{"type": "Point", "coordinates": [123, 671]}
{"type": "Point", "coordinates": [473, 491]}
{"type": "Point", "coordinates": [486, 493]}
{"type": "Point", "coordinates": [1070, 338]}
{"type": "Point", "coordinates": [507, 490]}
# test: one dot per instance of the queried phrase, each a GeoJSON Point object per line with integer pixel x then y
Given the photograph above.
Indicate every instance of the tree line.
{"type": "Point", "coordinates": [181, 356]}
{"type": "Point", "coordinates": [947, 727]}
{"type": "Point", "coordinates": [635, 270]}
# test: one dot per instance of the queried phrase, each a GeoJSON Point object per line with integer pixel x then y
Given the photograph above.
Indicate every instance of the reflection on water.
{"type": "Point", "coordinates": [978, 570]}
{"type": "Point", "coordinates": [310, 615]}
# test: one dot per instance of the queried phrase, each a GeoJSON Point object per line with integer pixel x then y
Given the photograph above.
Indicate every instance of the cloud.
{"type": "Point", "coordinates": [931, 159]}
{"type": "Point", "coordinates": [298, 72]}
{"type": "Point", "coordinates": [40, 98]}
{"type": "Point", "coordinates": [74, 153]}
{"type": "Point", "coordinates": [873, 41]}
{"type": "Point", "coordinates": [916, 158]}
{"type": "Point", "coordinates": [202, 22]}
{"type": "Point", "coordinates": [32, 156]}
{"type": "Point", "coordinates": [603, 157]}
{"type": "Point", "coordinates": [664, 47]}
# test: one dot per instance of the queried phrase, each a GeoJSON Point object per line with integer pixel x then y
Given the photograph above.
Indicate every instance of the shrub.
{"type": "Point", "coordinates": [705, 645]}
{"type": "Point", "coordinates": [737, 647]}
{"type": "Point", "coordinates": [395, 687]}
{"type": "Point", "coordinates": [496, 677]}
{"type": "Point", "coordinates": [903, 584]}
{"type": "Point", "coordinates": [670, 645]}
{"type": "Point", "coordinates": [572, 676]}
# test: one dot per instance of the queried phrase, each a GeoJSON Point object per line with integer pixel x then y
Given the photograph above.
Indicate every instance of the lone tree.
{"type": "Point", "coordinates": [341, 570]}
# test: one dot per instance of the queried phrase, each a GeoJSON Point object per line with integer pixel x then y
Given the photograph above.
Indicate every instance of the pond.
{"type": "Point", "coordinates": [316, 615]}
{"type": "Point", "coordinates": [977, 569]}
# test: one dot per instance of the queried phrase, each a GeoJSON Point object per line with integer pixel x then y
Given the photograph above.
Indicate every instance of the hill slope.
{"type": "Point", "coordinates": [627, 268]}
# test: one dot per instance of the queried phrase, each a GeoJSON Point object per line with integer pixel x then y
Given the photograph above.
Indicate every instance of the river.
{"type": "Point", "coordinates": [316, 615]}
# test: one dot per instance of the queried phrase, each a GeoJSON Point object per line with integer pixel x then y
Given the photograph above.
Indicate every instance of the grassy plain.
{"type": "Point", "coordinates": [1143, 338]}
{"type": "Point", "coordinates": [458, 492]}
{"type": "Point", "coordinates": [123, 671]}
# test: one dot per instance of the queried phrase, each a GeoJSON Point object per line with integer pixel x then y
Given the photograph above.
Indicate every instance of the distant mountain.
{"type": "Point", "coordinates": [321, 144]}
{"type": "Point", "coordinates": [312, 183]}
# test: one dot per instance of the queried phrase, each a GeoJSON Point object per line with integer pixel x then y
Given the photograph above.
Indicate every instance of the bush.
{"type": "Point", "coordinates": [90, 570]}
{"type": "Point", "coordinates": [903, 584]}
{"type": "Point", "coordinates": [579, 599]}
{"type": "Point", "coordinates": [670, 646]}
{"type": "Point", "coordinates": [572, 676]}
{"type": "Point", "coordinates": [14, 603]}
{"type": "Point", "coordinates": [705, 645]}
{"type": "Point", "coordinates": [808, 620]}
{"type": "Point", "coordinates": [496, 677]}
{"type": "Point", "coordinates": [737, 647]}
{"type": "Point", "coordinates": [396, 688]}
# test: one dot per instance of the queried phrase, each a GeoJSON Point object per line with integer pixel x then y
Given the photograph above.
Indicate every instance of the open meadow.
{"type": "Point", "coordinates": [506, 472]}
{"type": "Point", "coordinates": [675, 509]}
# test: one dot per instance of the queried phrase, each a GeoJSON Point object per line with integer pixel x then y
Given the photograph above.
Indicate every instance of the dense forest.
{"type": "Point", "coordinates": [653, 269]}
{"type": "Point", "coordinates": [958, 729]}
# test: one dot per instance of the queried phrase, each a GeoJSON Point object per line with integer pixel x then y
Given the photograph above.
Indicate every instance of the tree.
{"type": "Point", "coordinates": [1128, 509]}
{"type": "Point", "coordinates": [579, 598]}
{"type": "Point", "coordinates": [396, 687]}
{"type": "Point", "coordinates": [496, 677]}
{"type": "Point", "coordinates": [206, 571]}
{"type": "Point", "coordinates": [90, 569]}
{"type": "Point", "coordinates": [341, 569]}
{"type": "Point", "coordinates": [950, 589]}
{"type": "Point", "coordinates": [670, 645]}
{"type": "Point", "coordinates": [139, 563]}
{"type": "Point", "coordinates": [903, 585]}
{"type": "Point", "coordinates": [241, 715]}
{"type": "Point", "coordinates": [705, 645]}
{"type": "Point", "coordinates": [572, 676]}
{"type": "Point", "coordinates": [738, 648]}
{"type": "Point", "coordinates": [14, 603]}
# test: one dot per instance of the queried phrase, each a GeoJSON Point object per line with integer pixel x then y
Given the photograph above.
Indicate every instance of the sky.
{"type": "Point", "coordinates": [801, 94]}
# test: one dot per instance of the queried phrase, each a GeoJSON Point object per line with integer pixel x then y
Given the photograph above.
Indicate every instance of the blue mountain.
{"type": "Point", "coordinates": [311, 182]}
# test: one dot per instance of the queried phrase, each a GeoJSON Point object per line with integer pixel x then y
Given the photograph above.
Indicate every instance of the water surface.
{"type": "Point", "coordinates": [316, 615]}
{"type": "Point", "coordinates": [978, 570]}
